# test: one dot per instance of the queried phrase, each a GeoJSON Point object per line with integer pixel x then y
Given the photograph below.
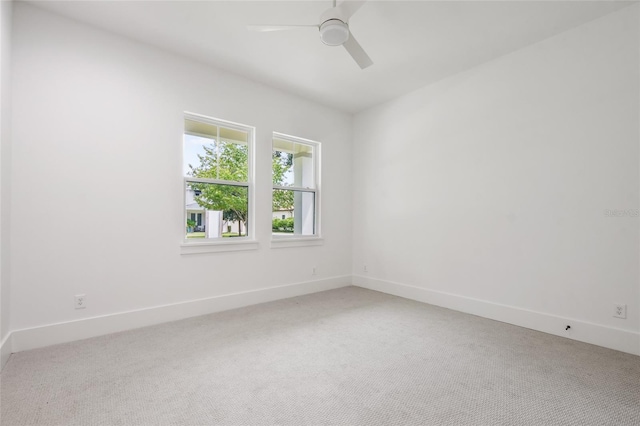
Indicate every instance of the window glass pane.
{"type": "Point", "coordinates": [198, 128]}
{"type": "Point", "coordinates": [204, 158]}
{"type": "Point", "coordinates": [282, 163]}
{"type": "Point", "coordinates": [232, 162]}
{"type": "Point", "coordinates": [292, 164]}
{"type": "Point", "coordinates": [297, 209]}
{"type": "Point", "coordinates": [216, 210]}
{"type": "Point", "coordinates": [233, 135]}
{"type": "Point", "coordinates": [194, 148]}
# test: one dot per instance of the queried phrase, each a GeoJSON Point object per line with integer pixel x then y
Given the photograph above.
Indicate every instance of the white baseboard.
{"type": "Point", "coordinates": [609, 337]}
{"type": "Point", "coordinates": [5, 350]}
{"type": "Point", "coordinates": [51, 334]}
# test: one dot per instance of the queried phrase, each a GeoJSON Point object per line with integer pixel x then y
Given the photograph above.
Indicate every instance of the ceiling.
{"type": "Point", "coordinates": [412, 43]}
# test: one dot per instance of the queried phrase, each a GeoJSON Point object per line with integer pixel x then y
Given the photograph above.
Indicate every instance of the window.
{"type": "Point", "coordinates": [217, 170]}
{"type": "Point", "coordinates": [296, 178]}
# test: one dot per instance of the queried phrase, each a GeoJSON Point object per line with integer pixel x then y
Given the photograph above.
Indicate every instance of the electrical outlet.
{"type": "Point", "coordinates": [313, 270]}
{"type": "Point", "coordinates": [81, 301]}
{"type": "Point", "coordinates": [620, 311]}
{"type": "Point", "coordinates": [364, 268]}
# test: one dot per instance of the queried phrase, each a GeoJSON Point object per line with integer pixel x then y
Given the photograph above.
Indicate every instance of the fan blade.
{"type": "Point", "coordinates": [348, 8]}
{"type": "Point", "coordinates": [357, 52]}
{"type": "Point", "coordinates": [266, 28]}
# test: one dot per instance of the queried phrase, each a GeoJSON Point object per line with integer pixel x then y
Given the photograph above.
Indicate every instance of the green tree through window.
{"type": "Point", "coordinates": [229, 162]}
{"type": "Point", "coordinates": [282, 163]}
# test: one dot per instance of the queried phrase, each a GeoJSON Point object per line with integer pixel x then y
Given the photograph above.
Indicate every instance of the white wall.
{"type": "Point", "coordinates": [98, 123]}
{"type": "Point", "coordinates": [5, 167]}
{"type": "Point", "coordinates": [486, 192]}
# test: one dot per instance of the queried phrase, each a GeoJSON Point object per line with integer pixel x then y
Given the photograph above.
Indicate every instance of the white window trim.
{"type": "Point", "coordinates": [285, 241]}
{"type": "Point", "coordinates": [292, 241]}
{"type": "Point", "coordinates": [218, 246]}
{"type": "Point", "coordinates": [188, 246]}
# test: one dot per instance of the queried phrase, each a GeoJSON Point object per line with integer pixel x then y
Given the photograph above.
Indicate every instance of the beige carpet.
{"type": "Point", "coordinates": [348, 356]}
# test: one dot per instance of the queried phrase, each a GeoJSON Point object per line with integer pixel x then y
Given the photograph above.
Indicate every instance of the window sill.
{"type": "Point", "coordinates": [217, 246]}
{"type": "Point", "coordinates": [285, 242]}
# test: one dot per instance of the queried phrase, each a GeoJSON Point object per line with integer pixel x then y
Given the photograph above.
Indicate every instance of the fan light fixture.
{"type": "Point", "coordinates": [334, 32]}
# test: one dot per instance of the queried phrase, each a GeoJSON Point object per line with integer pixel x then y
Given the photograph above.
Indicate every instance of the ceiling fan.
{"type": "Point", "coordinates": [334, 30]}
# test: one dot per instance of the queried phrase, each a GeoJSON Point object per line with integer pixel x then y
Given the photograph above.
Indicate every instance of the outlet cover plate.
{"type": "Point", "coordinates": [620, 311]}
{"type": "Point", "coordinates": [80, 301]}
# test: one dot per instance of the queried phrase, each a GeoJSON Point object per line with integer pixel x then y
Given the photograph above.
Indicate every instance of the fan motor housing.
{"type": "Point", "coordinates": [334, 32]}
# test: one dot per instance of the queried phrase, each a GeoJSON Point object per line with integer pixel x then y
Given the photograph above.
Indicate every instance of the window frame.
{"type": "Point", "coordinates": [297, 240]}
{"type": "Point", "coordinates": [207, 245]}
